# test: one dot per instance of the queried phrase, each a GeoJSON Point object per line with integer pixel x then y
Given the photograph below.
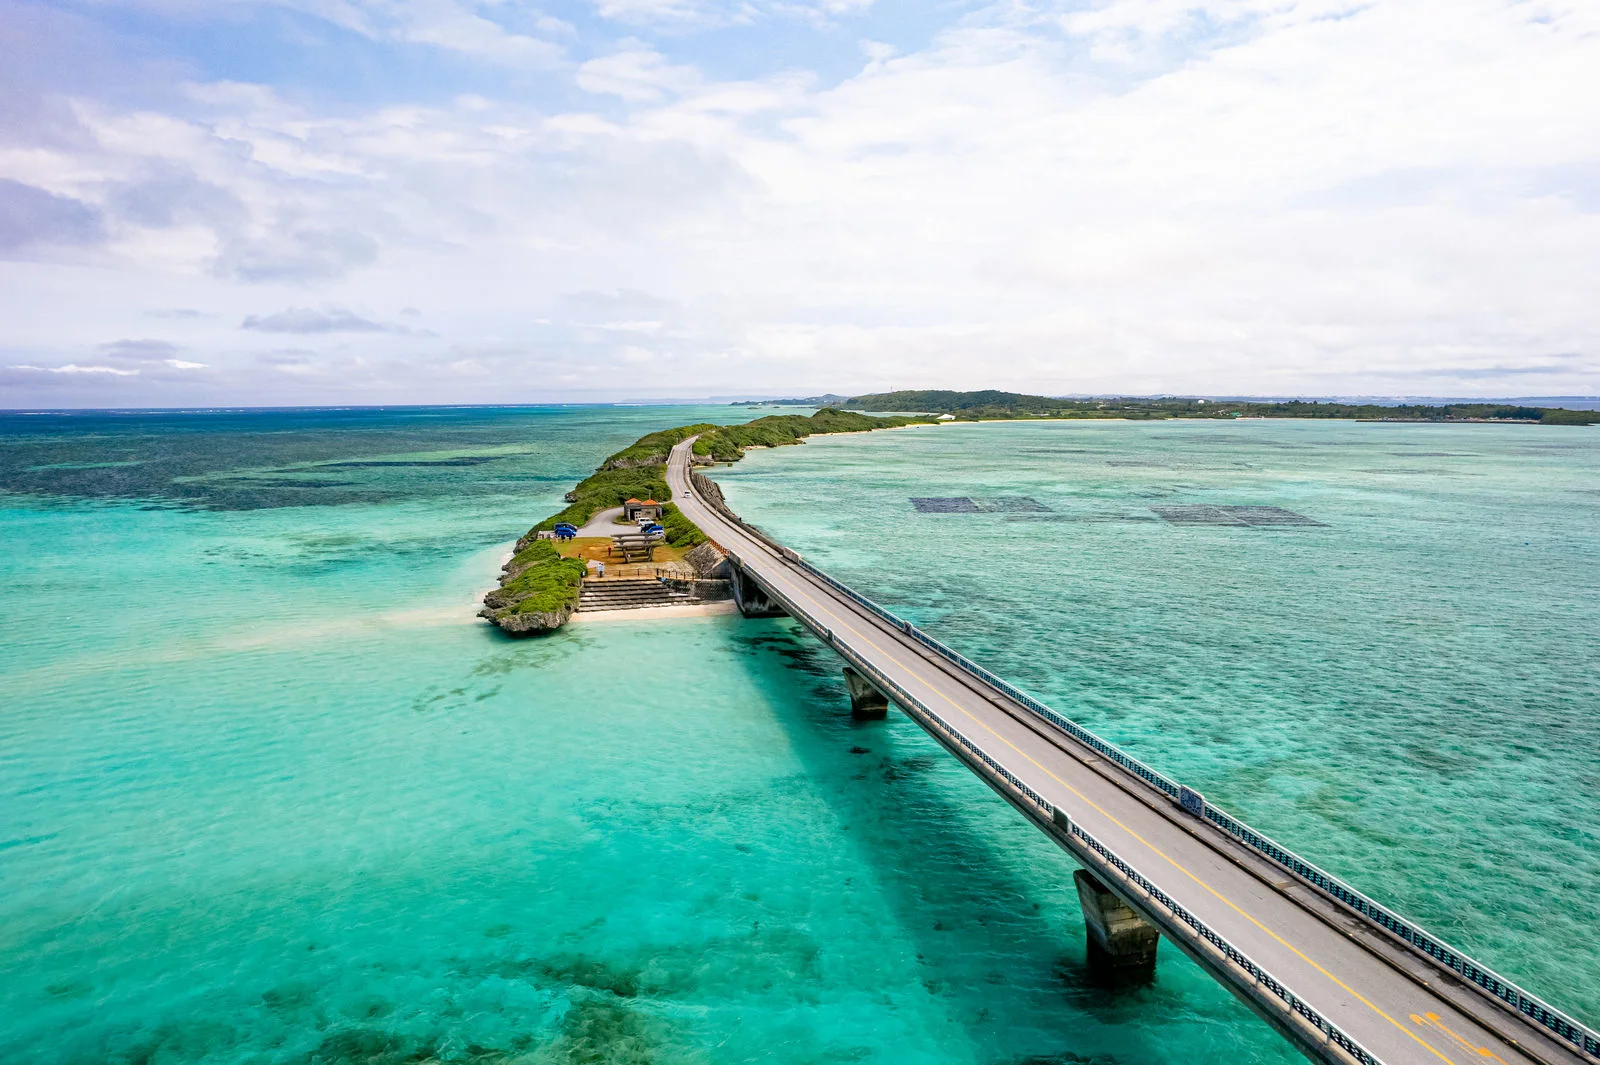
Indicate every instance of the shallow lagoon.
{"type": "Point", "coordinates": [271, 795]}
{"type": "Point", "coordinates": [1407, 692]}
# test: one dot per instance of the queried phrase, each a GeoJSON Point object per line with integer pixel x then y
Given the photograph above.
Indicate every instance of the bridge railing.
{"type": "Point", "coordinates": [1260, 977]}
{"type": "Point", "coordinates": [1410, 933]}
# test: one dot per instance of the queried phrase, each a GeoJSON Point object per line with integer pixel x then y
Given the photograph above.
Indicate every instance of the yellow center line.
{"type": "Point", "coordinates": [821, 608]}
{"type": "Point", "coordinates": [1432, 1020]}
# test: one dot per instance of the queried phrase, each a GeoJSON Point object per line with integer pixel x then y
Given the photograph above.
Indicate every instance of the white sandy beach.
{"type": "Point", "coordinates": [658, 613]}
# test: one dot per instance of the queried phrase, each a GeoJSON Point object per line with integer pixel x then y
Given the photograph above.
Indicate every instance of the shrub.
{"type": "Point", "coordinates": [1561, 416]}
{"type": "Point", "coordinates": [536, 552]}
{"type": "Point", "coordinates": [726, 443]}
{"type": "Point", "coordinates": [681, 532]}
{"type": "Point", "coordinates": [651, 450]}
{"type": "Point", "coordinates": [547, 586]}
{"type": "Point", "coordinates": [610, 488]}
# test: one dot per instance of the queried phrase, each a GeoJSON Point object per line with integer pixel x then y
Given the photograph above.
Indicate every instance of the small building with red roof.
{"type": "Point", "coordinates": [641, 510]}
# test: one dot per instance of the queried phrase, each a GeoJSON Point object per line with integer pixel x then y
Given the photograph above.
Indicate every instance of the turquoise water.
{"type": "Point", "coordinates": [269, 793]}
{"type": "Point", "coordinates": [1407, 693]}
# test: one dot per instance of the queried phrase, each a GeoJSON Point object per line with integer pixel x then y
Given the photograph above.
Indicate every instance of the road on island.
{"type": "Point", "coordinates": [1396, 1005]}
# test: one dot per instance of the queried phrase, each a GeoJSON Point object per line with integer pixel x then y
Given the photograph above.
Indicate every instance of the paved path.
{"type": "Point", "coordinates": [600, 524]}
{"type": "Point", "coordinates": [1394, 1004]}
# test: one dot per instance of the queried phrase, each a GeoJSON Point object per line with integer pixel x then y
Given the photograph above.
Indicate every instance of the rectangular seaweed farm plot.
{"type": "Point", "coordinates": [1271, 516]}
{"type": "Point", "coordinates": [1242, 517]}
{"type": "Point", "coordinates": [1197, 515]}
{"type": "Point", "coordinates": [1016, 505]}
{"type": "Point", "coordinates": [945, 505]}
{"type": "Point", "coordinates": [1098, 517]}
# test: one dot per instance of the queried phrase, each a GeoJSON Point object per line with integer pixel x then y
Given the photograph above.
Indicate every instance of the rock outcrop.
{"type": "Point", "coordinates": [535, 623]}
{"type": "Point", "coordinates": [538, 590]}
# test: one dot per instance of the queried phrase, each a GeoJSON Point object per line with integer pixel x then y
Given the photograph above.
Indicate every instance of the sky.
{"type": "Point", "coordinates": [273, 202]}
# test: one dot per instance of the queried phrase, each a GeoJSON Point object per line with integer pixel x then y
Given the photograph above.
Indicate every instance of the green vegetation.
{"type": "Point", "coordinates": [611, 488]}
{"type": "Point", "coordinates": [652, 449]}
{"type": "Point", "coordinates": [985, 404]}
{"type": "Point", "coordinates": [681, 532]}
{"type": "Point", "coordinates": [546, 587]}
{"type": "Point", "coordinates": [990, 404]}
{"type": "Point", "coordinates": [1562, 416]}
{"type": "Point", "coordinates": [538, 580]}
{"type": "Point", "coordinates": [727, 443]}
{"type": "Point", "coordinates": [639, 471]}
{"type": "Point", "coordinates": [535, 553]}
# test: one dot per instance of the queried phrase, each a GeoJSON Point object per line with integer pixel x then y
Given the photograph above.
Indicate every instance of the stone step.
{"type": "Point", "coordinates": [626, 594]}
{"type": "Point", "coordinates": [640, 597]}
{"type": "Point", "coordinates": [621, 587]}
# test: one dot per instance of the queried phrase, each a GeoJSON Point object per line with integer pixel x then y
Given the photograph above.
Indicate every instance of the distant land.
{"type": "Point", "coordinates": [827, 400]}
{"type": "Point", "coordinates": [990, 405]}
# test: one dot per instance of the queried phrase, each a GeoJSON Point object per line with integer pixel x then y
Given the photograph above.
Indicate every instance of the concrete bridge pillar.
{"type": "Point", "coordinates": [752, 599]}
{"type": "Point", "coordinates": [867, 703]}
{"type": "Point", "coordinates": [1122, 945]}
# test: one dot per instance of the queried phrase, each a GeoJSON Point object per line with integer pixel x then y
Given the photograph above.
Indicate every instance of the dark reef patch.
{"type": "Point", "coordinates": [254, 460]}
{"type": "Point", "coordinates": [581, 970]}
{"type": "Point", "coordinates": [363, 464]}
{"type": "Point", "coordinates": [1067, 1057]}
{"type": "Point", "coordinates": [289, 998]}
{"type": "Point", "coordinates": [283, 482]}
{"type": "Point", "coordinates": [606, 1033]}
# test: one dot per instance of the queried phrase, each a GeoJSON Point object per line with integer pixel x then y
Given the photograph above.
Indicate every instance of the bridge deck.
{"type": "Point", "coordinates": [1396, 1005]}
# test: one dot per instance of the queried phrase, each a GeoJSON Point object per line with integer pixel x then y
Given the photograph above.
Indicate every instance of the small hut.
{"type": "Point", "coordinates": [641, 511]}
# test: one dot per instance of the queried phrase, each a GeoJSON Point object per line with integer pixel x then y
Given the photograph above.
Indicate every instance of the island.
{"type": "Point", "coordinates": [989, 405]}
{"type": "Point", "coordinates": [541, 582]}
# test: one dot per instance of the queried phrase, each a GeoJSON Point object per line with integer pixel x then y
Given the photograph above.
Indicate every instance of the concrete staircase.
{"type": "Point", "coordinates": [627, 594]}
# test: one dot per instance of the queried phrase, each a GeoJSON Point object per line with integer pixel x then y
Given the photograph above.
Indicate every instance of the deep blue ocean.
{"type": "Point", "coordinates": [269, 792]}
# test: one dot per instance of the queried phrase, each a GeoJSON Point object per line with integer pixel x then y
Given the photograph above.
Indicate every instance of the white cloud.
{"type": "Point", "coordinates": [305, 320]}
{"type": "Point", "coordinates": [72, 368]}
{"type": "Point", "coordinates": [459, 28]}
{"type": "Point", "coordinates": [655, 10]}
{"type": "Point", "coordinates": [139, 350]}
{"type": "Point", "coordinates": [725, 12]}
{"type": "Point", "coordinates": [1142, 195]}
{"type": "Point", "coordinates": [637, 73]}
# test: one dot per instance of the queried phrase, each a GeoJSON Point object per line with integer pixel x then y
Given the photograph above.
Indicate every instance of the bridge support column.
{"type": "Point", "coordinates": [752, 599]}
{"type": "Point", "coordinates": [867, 703]}
{"type": "Point", "coordinates": [1122, 945]}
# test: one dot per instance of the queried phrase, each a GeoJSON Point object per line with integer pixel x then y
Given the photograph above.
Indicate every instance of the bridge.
{"type": "Point", "coordinates": [1343, 977]}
